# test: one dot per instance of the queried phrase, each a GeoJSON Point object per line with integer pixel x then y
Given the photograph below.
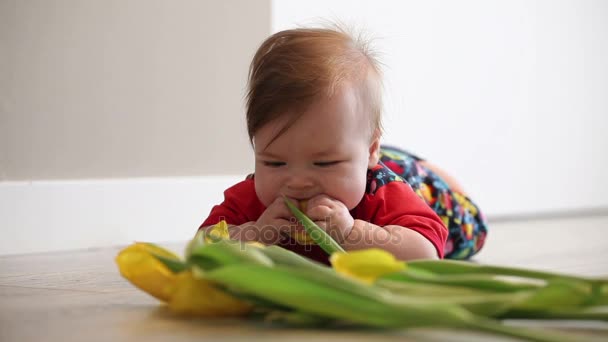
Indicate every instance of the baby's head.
{"type": "Point", "coordinates": [314, 115]}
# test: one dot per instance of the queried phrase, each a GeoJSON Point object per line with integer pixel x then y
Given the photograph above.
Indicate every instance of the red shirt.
{"type": "Point", "coordinates": [388, 200]}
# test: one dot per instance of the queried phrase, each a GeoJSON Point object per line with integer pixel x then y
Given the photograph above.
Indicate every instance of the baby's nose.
{"type": "Point", "coordinates": [300, 180]}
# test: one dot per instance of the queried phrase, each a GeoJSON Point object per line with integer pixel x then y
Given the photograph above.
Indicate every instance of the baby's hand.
{"type": "Point", "coordinates": [276, 219]}
{"type": "Point", "coordinates": [331, 215]}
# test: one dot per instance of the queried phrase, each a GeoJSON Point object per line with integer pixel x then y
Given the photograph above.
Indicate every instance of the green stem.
{"type": "Point", "coordinates": [464, 267]}
{"type": "Point", "coordinates": [471, 281]}
{"type": "Point", "coordinates": [517, 332]}
{"type": "Point", "coordinates": [318, 235]}
{"type": "Point", "coordinates": [584, 314]}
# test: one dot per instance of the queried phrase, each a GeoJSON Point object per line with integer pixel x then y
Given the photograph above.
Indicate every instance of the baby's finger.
{"type": "Point", "coordinates": [321, 199]}
{"type": "Point", "coordinates": [280, 210]}
{"type": "Point", "coordinates": [322, 224]}
{"type": "Point", "coordinates": [319, 212]}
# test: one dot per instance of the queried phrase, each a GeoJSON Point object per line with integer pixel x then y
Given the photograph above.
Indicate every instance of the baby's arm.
{"type": "Point", "coordinates": [403, 224]}
{"type": "Point", "coordinates": [403, 243]}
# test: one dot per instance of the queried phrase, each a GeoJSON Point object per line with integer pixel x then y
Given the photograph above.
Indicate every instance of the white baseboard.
{"type": "Point", "coordinates": [43, 216]}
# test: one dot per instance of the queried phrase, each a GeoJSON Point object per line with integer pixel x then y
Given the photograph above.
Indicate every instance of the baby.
{"type": "Point", "coordinates": [314, 119]}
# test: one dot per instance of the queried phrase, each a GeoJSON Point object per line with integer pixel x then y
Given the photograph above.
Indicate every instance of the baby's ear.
{"type": "Point", "coordinates": [374, 150]}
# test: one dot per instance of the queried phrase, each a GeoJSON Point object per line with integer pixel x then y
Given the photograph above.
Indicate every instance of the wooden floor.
{"type": "Point", "coordinates": [79, 295]}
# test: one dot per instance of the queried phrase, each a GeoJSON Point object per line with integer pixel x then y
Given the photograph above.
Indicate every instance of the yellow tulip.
{"type": "Point", "coordinates": [138, 265]}
{"type": "Point", "coordinates": [182, 291]}
{"type": "Point", "coordinates": [199, 297]}
{"type": "Point", "coordinates": [302, 238]}
{"type": "Point", "coordinates": [219, 231]}
{"type": "Point", "coordinates": [366, 265]}
{"type": "Point", "coordinates": [256, 244]}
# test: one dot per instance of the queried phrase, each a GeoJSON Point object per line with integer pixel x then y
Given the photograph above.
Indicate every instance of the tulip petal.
{"type": "Point", "coordinates": [138, 265]}
{"type": "Point", "coordinates": [217, 232]}
{"type": "Point", "coordinates": [366, 265]}
{"type": "Point", "coordinates": [193, 296]}
{"type": "Point", "coordinates": [302, 238]}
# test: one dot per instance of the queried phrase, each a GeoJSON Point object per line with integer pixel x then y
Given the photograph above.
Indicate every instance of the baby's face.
{"type": "Point", "coordinates": [327, 151]}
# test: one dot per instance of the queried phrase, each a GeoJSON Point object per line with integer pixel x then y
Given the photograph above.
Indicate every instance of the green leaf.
{"type": "Point", "coordinates": [599, 313]}
{"type": "Point", "coordinates": [175, 266]}
{"type": "Point", "coordinates": [317, 296]}
{"type": "Point", "coordinates": [336, 297]}
{"type": "Point", "coordinates": [282, 256]}
{"type": "Point", "coordinates": [558, 294]}
{"type": "Point", "coordinates": [466, 267]}
{"type": "Point", "coordinates": [487, 282]}
{"type": "Point", "coordinates": [227, 252]}
{"type": "Point", "coordinates": [197, 241]}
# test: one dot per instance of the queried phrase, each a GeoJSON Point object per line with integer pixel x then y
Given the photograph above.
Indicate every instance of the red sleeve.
{"type": "Point", "coordinates": [396, 203]}
{"type": "Point", "coordinates": [240, 205]}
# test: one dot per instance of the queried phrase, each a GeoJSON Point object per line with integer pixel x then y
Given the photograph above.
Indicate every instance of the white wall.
{"type": "Point", "coordinates": [509, 96]}
{"type": "Point", "coordinates": [46, 216]}
{"type": "Point", "coordinates": [107, 107]}
{"type": "Point", "coordinates": [120, 120]}
{"type": "Point", "coordinates": [125, 88]}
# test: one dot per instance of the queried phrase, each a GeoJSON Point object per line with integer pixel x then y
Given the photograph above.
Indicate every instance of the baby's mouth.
{"type": "Point", "coordinates": [303, 204]}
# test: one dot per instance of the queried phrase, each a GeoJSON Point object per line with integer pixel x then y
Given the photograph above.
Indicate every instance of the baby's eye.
{"type": "Point", "coordinates": [327, 163]}
{"type": "Point", "coordinates": [273, 163]}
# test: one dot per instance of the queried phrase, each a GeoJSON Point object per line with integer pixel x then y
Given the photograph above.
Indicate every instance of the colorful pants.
{"type": "Point", "coordinates": [466, 224]}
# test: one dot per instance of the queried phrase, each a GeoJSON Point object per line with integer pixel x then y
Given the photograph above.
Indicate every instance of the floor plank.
{"type": "Point", "coordinates": [79, 295]}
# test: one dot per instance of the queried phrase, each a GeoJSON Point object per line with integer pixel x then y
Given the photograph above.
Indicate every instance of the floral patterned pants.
{"type": "Point", "coordinates": [465, 222]}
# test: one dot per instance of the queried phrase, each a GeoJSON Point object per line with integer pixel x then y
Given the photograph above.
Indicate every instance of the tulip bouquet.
{"type": "Point", "coordinates": [220, 277]}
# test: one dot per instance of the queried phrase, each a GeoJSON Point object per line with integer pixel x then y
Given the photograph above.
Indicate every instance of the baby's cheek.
{"type": "Point", "coordinates": [264, 190]}
{"type": "Point", "coordinates": [352, 192]}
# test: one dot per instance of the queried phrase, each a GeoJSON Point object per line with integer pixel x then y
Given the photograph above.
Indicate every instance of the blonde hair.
{"type": "Point", "coordinates": [293, 68]}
